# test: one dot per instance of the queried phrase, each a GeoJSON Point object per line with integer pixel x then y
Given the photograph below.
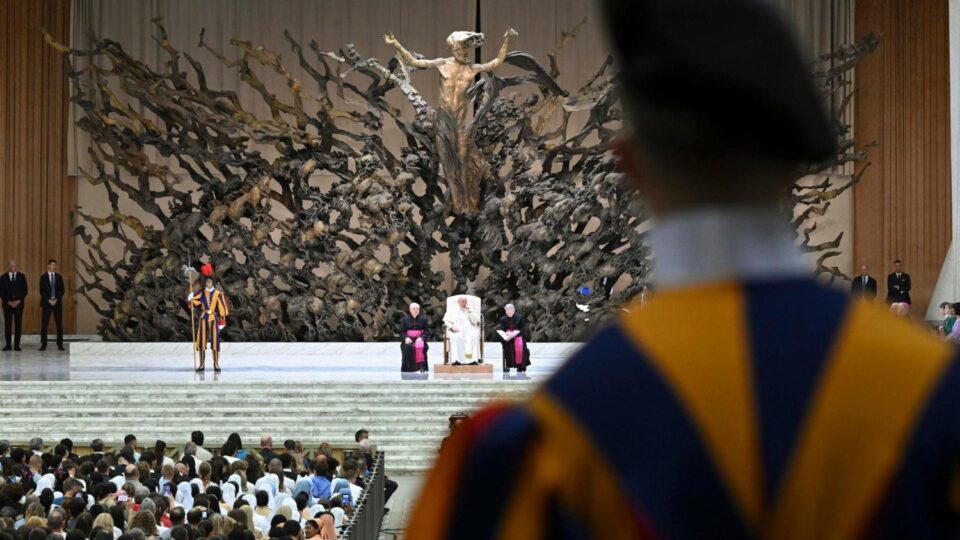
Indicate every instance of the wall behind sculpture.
{"type": "Point", "coordinates": [421, 25]}
{"type": "Point", "coordinates": [902, 209]}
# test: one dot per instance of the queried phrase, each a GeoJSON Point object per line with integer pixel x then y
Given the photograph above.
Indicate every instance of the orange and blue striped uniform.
{"type": "Point", "coordinates": [776, 410]}
{"type": "Point", "coordinates": [213, 307]}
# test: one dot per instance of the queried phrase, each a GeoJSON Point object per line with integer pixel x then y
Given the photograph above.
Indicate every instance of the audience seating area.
{"type": "Point", "coordinates": [230, 492]}
{"type": "Point", "coordinates": [213, 479]}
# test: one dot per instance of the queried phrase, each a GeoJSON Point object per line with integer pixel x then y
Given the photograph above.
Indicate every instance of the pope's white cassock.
{"type": "Point", "coordinates": [463, 330]}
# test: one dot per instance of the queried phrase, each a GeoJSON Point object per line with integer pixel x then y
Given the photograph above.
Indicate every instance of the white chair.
{"type": "Point", "coordinates": [476, 306]}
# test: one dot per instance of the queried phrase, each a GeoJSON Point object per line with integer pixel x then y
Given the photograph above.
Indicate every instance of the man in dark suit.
{"type": "Point", "coordinates": [864, 285]}
{"type": "Point", "coordinates": [898, 285]}
{"type": "Point", "coordinates": [51, 300]}
{"type": "Point", "coordinates": [96, 451]}
{"type": "Point", "coordinates": [13, 289]}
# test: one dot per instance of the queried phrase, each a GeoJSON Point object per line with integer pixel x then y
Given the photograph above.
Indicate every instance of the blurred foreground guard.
{"type": "Point", "coordinates": [744, 400]}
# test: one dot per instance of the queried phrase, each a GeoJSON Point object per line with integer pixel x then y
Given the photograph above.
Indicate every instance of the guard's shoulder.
{"type": "Point", "coordinates": [605, 353]}
{"type": "Point", "coordinates": [500, 424]}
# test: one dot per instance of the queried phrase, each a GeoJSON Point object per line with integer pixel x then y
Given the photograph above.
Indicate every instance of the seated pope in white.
{"type": "Point", "coordinates": [463, 330]}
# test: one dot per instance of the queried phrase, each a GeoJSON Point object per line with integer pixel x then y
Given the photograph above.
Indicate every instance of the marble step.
{"type": "Point", "coordinates": [405, 410]}
{"type": "Point", "coordinates": [403, 444]}
{"type": "Point", "coordinates": [257, 394]}
{"type": "Point", "coordinates": [281, 429]}
{"type": "Point", "coordinates": [438, 384]}
{"type": "Point", "coordinates": [216, 424]}
{"type": "Point", "coordinates": [114, 439]}
{"type": "Point", "coordinates": [240, 399]}
{"type": "Point", "coordinates": [407, 419]}
{"type": "Point", "coordinates": [12, 399]}
{"type": "Point", "coordinates": [425, 403]}
{"type": "Point", "coordinates": [260, 393]}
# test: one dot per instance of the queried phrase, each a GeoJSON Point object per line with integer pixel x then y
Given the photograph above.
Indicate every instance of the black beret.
{"type": "Point", "coordinates": [707, 75]}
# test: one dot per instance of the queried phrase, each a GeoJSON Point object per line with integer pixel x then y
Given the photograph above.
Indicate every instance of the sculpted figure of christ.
{"type": "Point", "coordinates": [457, 74]}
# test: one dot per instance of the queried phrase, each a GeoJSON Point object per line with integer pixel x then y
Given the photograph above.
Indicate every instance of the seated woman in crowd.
{"type": "Point", "coordinates": [157, 499]}
{"type": "Point", "coordinates": [949, 318]}
{"type": "Point", "coordinates": [950, 327]}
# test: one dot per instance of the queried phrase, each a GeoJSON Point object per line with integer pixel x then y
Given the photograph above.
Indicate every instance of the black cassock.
{"type": "Point", "coordinates": [508, 324]}
{"type": "Point", "coordinates": [409, 352]}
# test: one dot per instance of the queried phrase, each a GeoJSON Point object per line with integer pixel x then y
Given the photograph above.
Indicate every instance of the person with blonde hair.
{"type": "Point", "coordinates": [298, 460]}
{"type": "Point", "coordinates": [165, 482]}
{"type": "Point", "coordinates": [238, 469]}
{"type": "Point", "coordinates": [34, 522]}
{"type": "Point", "coordinates": [35, 509]}
{"type": "Point", "coordinates": [222, 525]}
{"type": "Point", "coordinates": [285, 511]}
{"type": "Point", "coordinates": [105, 521]}
{"type": "Point", "coordinates": [247, 512]}
{"type": "Point", "coordinates": [144, 520]}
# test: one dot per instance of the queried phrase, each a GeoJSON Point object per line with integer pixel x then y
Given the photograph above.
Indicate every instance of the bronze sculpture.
{"type": "Point", "coordinates": [340, 263]}
{"type": "Point", "coordinates": [464, 166]}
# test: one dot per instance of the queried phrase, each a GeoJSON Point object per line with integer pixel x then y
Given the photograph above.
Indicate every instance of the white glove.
{"type": "Point", "coordinates": [408, 341]}
{"type": "Point", "coordinates": [190, 297]}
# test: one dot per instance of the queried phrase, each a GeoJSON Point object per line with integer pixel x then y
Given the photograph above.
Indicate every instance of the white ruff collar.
{"type": "Point", "coordinates": [706, 245]}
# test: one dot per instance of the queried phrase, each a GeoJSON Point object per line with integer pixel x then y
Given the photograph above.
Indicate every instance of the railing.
{"type": "Point", "coordinates": [368, 512]}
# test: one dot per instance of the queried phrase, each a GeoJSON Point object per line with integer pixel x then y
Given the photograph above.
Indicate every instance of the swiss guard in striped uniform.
{"type": "Point", "coordinates": [745, 400]}
{"type": "Point", "coordinates": [213, 307]}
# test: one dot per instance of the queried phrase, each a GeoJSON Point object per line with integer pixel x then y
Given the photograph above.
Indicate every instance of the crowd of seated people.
{"type": "Point", "coordinates": [137, 493]}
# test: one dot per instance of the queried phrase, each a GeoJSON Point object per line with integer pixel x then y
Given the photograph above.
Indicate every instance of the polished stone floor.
{"type": "Point", "coordinates": [30, 364]}
{"type": "Point", "coordinates": [401, 506]}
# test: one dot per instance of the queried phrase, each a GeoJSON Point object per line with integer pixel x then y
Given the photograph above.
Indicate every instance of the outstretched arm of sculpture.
{"type": "Point", "coordinates": [502, 55]}
{"type": "Point", "coordinates": [407, 57]}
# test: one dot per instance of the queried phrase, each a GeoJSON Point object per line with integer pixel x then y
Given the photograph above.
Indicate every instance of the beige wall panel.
{"type": "Point", "coordinates": [37, 196]}
{"type": "Point", "coordinates": [902, 208]}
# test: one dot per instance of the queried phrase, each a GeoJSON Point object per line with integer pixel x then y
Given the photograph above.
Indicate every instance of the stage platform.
{"type": "Point", "coordinates": [87, 358]}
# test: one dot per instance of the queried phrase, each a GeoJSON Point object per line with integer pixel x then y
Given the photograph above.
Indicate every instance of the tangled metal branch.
{"type": "Point", "coordinates": [332, 240]}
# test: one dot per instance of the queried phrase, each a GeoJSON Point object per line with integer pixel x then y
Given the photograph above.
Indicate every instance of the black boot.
{"type": "Point", "coordinates": [216, 361]}
{"type": "Point", "coordinates": [202, 358]}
